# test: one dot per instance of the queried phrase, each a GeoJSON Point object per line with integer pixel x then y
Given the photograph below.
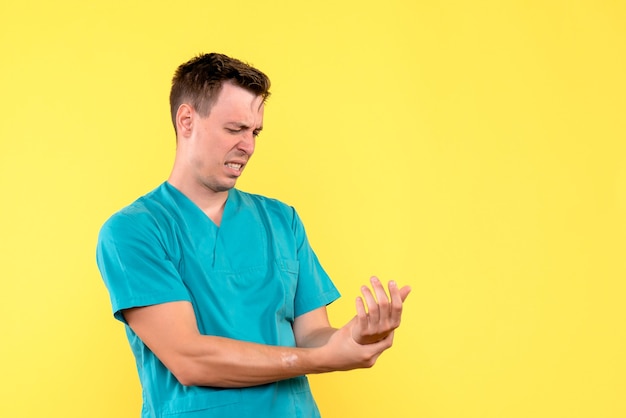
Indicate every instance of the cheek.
{"type": "Point", "coordinates": [197, 156]}
{"type": "Point", "coordinates": [207, 157]}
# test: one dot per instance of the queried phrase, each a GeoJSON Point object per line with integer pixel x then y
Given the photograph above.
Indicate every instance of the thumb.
{"type": "Point", "coordinates": [404, 292]}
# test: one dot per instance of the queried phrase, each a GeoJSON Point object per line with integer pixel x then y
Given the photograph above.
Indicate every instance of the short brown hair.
{"type": "Point", "coordinates": [199, 81]}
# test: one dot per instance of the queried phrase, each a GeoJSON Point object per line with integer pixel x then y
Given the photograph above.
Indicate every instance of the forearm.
{"type": "Point", "coordinates": [169, 330]}
{"type": "Point", "coordinates": [222, 362]}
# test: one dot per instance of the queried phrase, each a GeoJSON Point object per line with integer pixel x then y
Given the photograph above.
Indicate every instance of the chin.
{"type": "Point", "coordinates": [224, 187]}
{"type": "Point", "coordinates": [219, 184]}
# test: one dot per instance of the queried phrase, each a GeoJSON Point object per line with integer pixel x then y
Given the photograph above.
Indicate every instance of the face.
{"type": "Point", "coordinates": [220, 145]}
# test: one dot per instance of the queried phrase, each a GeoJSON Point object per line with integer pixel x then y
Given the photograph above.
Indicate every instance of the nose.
{"type": "Point", "coordinates": [247, 143]}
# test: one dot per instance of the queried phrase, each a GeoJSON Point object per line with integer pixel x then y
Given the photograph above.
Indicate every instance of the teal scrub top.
{"type": "Point", "coordinates": [246, 279]}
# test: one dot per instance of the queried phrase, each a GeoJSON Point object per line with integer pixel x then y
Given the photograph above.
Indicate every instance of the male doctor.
{"type": "Point", "coordinates": [223, 299]}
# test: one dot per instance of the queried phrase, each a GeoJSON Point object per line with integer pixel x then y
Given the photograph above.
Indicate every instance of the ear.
{"type": "Point", "coordinates": [184, 120]}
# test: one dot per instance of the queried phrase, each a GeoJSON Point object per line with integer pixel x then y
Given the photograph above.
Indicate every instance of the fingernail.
{"type": "Point", "coordinates": [392, 283]}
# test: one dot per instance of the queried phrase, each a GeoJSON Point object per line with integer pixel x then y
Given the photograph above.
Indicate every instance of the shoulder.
{"type": "Point", "coordinates": [272, 211]}
{"type": "Point", "coordinates": [149, 210]}
{"type": "Point", "coordinates": [264, 203]}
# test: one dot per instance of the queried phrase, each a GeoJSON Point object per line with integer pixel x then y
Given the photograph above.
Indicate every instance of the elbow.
{"type": "Point", "coordinates": [186, 378]}
{"type": "Point", "coordinates": [192, 374]}
{"type": "Point", "coordinates": [183, 374]}
{"type": "Point", "coordinates": [187, 372]}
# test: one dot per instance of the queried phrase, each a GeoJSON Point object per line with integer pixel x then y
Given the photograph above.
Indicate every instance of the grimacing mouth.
{"type": "Point", "coordinates": [235, 166]}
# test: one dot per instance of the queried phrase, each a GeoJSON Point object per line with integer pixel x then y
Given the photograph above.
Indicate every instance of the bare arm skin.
{"type": "Point", "coordinates": [170, 331]}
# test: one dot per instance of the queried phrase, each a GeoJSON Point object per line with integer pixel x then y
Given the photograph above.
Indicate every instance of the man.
{"type": "Point", "coordinates": [223, 299]}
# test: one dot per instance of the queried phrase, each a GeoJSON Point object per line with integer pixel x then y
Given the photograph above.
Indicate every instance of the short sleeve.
{"type": "Point", "coordinates": [315, 288]}
{"type": "Point", "coordinates": [136, 264]}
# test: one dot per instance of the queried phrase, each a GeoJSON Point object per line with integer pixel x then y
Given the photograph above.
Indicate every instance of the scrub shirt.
{"type": "Point", "coordinates": [247, 280]}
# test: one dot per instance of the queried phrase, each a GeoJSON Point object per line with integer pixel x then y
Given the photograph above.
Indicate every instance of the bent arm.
{"type": "Point", "coordinates": [170, 331]}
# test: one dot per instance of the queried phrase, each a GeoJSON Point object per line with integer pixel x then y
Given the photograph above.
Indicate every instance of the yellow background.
{"type": "Point", "coordinates": [475, 150]}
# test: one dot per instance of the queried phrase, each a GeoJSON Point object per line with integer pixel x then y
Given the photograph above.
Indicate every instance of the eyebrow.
{"type": "Point", "coordinates": [242, 125]}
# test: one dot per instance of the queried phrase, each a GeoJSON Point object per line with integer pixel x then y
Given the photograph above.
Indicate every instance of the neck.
{"type": "Point", "coordinates": [209, 201]}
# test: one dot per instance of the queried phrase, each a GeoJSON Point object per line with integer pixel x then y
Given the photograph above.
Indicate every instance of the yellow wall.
{"type": "Point", "coordinates": [476, 150]}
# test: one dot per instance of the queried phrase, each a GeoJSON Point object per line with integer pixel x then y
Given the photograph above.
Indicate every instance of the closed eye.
{"type": "Point", "coordinates": [242, 128]}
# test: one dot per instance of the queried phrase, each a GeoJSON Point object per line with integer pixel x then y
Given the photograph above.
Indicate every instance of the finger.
{"type": "Point", "coordinates": [394, 293]}
{"type": "Point", "coordinates": [360, 310]}
{"type": "Point", "coordinates": [381, 296]}
{"type": "Point", "coordinates": [396, 303]}
{"type": "Point", "coordinates": [404, 292]}
{"type": "Point", "coordinates": [372, 306]}
{"type": "Point", "coordinates": [385, 342]}
{"type": "Point", "coordinates": [361, 321]}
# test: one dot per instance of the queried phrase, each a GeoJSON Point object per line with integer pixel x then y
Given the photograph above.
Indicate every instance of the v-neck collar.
{"type": "Point", "coordinates": [185, 202]}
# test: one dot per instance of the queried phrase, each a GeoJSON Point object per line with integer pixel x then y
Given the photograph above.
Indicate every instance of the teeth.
{"type": "Point", "coordinates": [234, 166]}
